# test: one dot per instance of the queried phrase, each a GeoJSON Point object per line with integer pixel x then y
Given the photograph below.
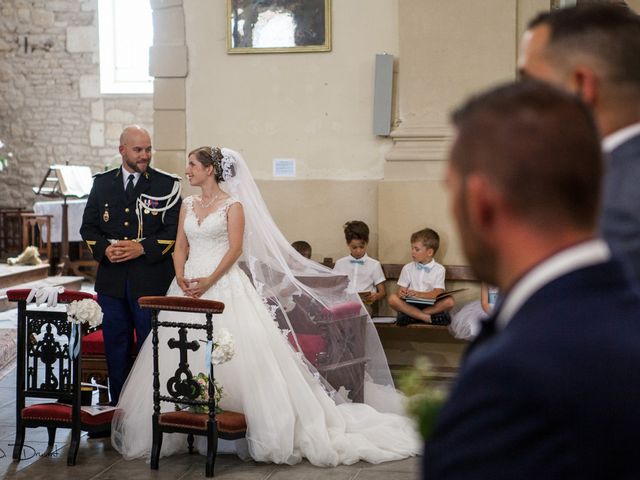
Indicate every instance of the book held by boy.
{"type": "Point", "coordinates": [425, 302]}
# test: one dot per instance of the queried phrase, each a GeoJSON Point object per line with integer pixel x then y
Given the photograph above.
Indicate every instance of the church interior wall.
{"type": "Point", "coordinates": [313, 107]}
{"type": "Point", "coordinates": [317, 109]}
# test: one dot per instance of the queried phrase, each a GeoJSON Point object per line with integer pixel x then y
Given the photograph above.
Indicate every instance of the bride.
{"type": "Point", "coordinates": [293, 409]}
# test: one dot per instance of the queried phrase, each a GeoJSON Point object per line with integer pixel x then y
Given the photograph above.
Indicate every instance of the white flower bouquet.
{"type": "Point", "coordinates": [85, 311]}
{"type": "Point", "coordinates": [223, 347]}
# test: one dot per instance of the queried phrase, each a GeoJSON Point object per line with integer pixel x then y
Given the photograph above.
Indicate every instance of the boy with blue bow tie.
{"type": "Point", "coordinates": [422, 279]}
{"type": "Point", "coordinates": [365, 273]}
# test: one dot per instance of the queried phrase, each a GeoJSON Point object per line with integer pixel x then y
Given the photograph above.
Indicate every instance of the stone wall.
{"type": "Point", "coordinates": [51, 110]}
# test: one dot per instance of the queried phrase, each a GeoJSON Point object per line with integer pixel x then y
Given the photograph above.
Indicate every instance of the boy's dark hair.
{"type": "Point", "coordinates": [356, 230]}
{"type": "Point", "coordinates": [428, 237]}
{"type": "Point", "coordinates": [302, 247]}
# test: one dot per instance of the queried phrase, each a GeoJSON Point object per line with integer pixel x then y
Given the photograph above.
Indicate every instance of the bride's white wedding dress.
{"type": "Point", "coordinates": [289, 414]}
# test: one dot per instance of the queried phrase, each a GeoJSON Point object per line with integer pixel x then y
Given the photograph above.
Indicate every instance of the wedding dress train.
{"type": "Point", "coordinates": [289, 413]}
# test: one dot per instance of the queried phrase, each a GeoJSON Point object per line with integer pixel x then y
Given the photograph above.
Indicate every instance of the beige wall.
{"type": "Point", "coordinates": [464, 47]}
{"type": "Point", "coordinates": [314, 107]}
{"type": "Point", "coordinates": [317, 109]}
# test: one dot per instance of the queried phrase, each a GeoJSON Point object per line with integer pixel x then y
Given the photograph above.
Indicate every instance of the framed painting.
{"type": "Point", "coordinates": [278, 26]}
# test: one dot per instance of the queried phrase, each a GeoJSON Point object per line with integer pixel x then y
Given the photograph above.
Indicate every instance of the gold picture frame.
{"type": "Point", "coordinates": [278, 26]}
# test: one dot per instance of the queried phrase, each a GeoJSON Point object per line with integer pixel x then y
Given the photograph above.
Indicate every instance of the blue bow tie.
{"type": "Point", "coordinates": [353, 260]}
{"type": "Point", "coordinates": [421, 266]}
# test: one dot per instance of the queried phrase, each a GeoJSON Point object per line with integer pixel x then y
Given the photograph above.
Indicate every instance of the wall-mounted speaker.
{"type": "Point", "coordinates": [382, 95]}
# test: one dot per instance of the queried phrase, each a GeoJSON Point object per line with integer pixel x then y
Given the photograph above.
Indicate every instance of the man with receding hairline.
{"type": "Point", "coordinates": [550, 387]}
{"type": "Point", "coordinates": [594, 51]}
{"type": "Point", "coordinates": [130, 227]}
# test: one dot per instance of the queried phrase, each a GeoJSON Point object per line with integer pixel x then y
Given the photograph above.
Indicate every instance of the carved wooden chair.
{"type": "Point", "coordinates": [182, 387]}
{"type": "Point", "coordinates": [10, 231]}
{"type": "Point", "coordinates": [36, 231]}
{"type": "Point", "coordinates": [48, 370]}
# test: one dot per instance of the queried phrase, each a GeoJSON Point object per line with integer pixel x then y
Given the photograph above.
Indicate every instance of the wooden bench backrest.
{"type": "Point", "coordinates": [453, 272]}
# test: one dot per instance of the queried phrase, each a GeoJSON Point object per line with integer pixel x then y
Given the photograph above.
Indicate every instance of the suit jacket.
{"type": "Point", "coordinates": [108, 215]}
{"type": "Point", "coordinates": [620, 222]}
{"type": "Point", "coordinates": [555, 394]}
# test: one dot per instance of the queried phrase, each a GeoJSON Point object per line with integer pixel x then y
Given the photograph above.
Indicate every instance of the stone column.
{"type": "Point", "coordinates": [168, 64]}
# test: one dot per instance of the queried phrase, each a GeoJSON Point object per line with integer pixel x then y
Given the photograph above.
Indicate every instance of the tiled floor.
{"type": "Point", "coordinates": [97, 460]}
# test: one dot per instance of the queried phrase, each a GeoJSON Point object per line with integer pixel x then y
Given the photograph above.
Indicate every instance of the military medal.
{"type": "Point", "coordinates": [105, 215]}
{"type": "Point", "coordinates": [146, 211]}
{"type": "Point", "coordinates": [153, 204]}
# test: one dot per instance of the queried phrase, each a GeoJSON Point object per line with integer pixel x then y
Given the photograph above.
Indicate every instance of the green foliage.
{"type": "Point", "coordinates": [424, 398]}
{"type": "Point", "coordinates": [203, 380]}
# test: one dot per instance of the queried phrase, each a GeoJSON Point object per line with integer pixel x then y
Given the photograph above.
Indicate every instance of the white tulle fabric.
{"type": "Point", "coordinates": [289, 413]}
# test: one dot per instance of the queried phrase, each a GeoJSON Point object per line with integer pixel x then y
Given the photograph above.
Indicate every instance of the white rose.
{"type": "Point", "coordinates": [85, 311]}
{"type": "Point", "coordinates": [223, 348]}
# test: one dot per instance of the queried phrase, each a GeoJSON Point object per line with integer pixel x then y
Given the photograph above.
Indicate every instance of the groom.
{"type": "Point", "coordinates": [134, 256]}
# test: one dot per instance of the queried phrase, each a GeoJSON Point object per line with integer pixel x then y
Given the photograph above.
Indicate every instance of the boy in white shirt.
{"type": "Point", "coordinates": [422, 279]}
{"type": "Point", "coordinates": [365, 273]}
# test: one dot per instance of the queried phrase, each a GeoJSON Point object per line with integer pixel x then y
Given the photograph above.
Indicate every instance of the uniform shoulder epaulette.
{"type": "Point", "coordinates": [175, 176]}
{"type": "Point", "coordinates": [97, 174]}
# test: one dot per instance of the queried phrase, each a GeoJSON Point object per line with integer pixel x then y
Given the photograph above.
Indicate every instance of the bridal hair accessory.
{"type": "Point", "coordinates": [224, 162]}
{"type": "Point", "coordinates": [85, 311]}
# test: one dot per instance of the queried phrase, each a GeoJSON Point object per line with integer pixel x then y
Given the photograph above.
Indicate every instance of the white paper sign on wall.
{"type": "Point", "coordinates": [284, 167]}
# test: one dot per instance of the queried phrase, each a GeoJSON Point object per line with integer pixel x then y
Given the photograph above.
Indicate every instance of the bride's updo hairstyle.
{"type": "Point", "coordinates": [210, 156]}
{"type": "Point", "coordinates": [223, 168]}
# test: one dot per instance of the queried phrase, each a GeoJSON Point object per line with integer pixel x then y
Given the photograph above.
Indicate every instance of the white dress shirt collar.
{"type": "Point", "coordinates": [615, 139]}
{"type": "Point", "coordinates": [125, 177]}
{"type": "Point", "coordinates": [363, 258]}
{"type": "Point", "coordinates": [573, 258]}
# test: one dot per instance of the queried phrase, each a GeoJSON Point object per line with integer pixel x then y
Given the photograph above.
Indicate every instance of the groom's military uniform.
{"type": "Point", "coordinates": [110, 216]}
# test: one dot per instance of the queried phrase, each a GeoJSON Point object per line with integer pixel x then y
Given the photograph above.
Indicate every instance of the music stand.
{"type": "Point", "coordinates": [64, 181]}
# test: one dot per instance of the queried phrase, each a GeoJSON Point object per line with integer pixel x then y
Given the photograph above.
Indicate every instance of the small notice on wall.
{"type": "Point", "coordinates": [284, 167]}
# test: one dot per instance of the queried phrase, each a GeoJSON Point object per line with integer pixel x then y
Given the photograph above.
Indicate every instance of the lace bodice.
{"type": "Point", "coordinates": [208, 238]}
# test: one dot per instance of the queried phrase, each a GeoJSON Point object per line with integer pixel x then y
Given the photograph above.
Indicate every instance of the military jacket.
{"type": "Point", "coordinates": [109, 216]}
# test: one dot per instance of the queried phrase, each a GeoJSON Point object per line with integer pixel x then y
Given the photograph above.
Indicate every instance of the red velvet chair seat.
{"type": "Point", "coordinates": [311, 345]}
{"type": "Point", "coordinates": [59, 412]}
{"type": "Point", "coordinates": [342, 311]}
{"type": "Point", "coordinates": [228, 422]}
{"type": "Point", "coordinates": [93, 343]}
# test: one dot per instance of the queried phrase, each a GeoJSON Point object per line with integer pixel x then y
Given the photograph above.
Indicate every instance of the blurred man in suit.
{"type": "Point", "coordinates": [593, 51]}
{"type": "Point", "coordinates": [549, 388]}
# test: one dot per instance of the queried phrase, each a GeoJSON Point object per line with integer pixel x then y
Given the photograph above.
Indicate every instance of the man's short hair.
{"type": "Point", "coordinates": [608, 33]}
{"type": "Point", "coordinates": [428, 237]}
{"type": "Point", "coordinates": [539, 146]}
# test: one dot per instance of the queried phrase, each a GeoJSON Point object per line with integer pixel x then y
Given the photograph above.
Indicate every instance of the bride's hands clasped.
{"type": "Point", "coordinates": [196, 287]}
